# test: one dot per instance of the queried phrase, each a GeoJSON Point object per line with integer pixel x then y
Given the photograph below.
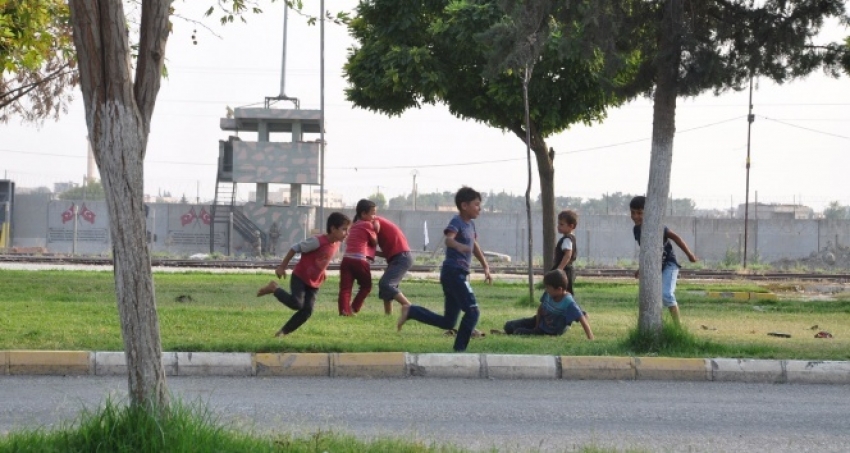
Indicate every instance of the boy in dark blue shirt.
{"type": "Point", "coordinates": [557, 311]}
{"type": "Point", "coordinates": [461, 245]}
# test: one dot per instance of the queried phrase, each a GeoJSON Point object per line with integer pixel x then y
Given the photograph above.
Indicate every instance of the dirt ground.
{"type": "Point", "coordinates": [832, 258]}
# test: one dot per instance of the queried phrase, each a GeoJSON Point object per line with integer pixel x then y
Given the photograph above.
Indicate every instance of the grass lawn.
{"type": "Point", "coordinates": [76, 310]}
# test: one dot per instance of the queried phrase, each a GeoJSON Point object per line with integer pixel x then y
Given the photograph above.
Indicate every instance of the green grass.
{"type": "Point", "coordinates": [193, 428]}
{"type": "Point", "coordinates": [76, 310]}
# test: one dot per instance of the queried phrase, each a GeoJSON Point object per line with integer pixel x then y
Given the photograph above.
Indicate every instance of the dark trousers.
{"type": "Point", "coordinates": [458, 297]}
{"type": "Point", "coordinates": [351, 270]}
{"type": "Point", "coordinates": [301, 298]}
{"type": "Point", "coordinates": [524, 326]}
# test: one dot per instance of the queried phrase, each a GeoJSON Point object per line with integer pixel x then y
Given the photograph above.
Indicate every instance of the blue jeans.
{"type": "Point", "coordinates": [669, 275]}
{"type": "Point", "coordinates": [458, 297]}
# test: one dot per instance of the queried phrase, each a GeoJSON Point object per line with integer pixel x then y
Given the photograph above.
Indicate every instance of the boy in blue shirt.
{"type": "Point", "coordinates": [461, 245]}
{"type": "Point", "coordinates": [669, 265]}
{"type": "Point", "coordinates": [557, 311]}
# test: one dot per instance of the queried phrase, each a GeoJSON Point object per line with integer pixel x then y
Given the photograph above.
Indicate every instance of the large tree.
{"type": "Point", "coordinates": [689, 47]}
{"type": "Point", "coordinates": [119, 103]}
{"type": "Point", "coordinates": [119, 83]}
{"type": "Point", "coordinates": [437, 51]}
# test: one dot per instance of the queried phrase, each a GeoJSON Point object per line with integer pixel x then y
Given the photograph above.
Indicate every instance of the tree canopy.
{"type": "Point", "coordinates": [37, 70]}
{"type": "Point", "coordinates": [687, 47]}
{"type": "Point", "coordinates": [427, 52]}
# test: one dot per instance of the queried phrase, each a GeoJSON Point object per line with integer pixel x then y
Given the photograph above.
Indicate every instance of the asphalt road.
{"type": "Point", "coordinates": [513, 415]}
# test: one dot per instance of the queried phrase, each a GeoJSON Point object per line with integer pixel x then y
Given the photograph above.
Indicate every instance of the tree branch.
{"type": "Point", "coordinates": [22, 90]}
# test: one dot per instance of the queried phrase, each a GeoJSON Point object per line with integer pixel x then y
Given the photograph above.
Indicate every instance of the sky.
{"type": "Point", "coordinates": [799, 143]}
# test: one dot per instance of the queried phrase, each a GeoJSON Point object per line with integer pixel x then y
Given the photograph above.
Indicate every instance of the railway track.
{"type": "Point", "coordinates": [685, 273]}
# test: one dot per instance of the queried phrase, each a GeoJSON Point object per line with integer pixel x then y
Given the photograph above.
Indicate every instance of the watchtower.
{"type": "Point", "coordinates": [262, 162]}
{"type": "Point", "coordinates": [296, 162]}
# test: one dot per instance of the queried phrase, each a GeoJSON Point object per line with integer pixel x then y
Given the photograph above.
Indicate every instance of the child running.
{"type": "Point", "coordinates": [309, 273]}
{"type": "Point", "coordinates": [359, 251]}
{"type": "Point", "coordinates": [461, 245]}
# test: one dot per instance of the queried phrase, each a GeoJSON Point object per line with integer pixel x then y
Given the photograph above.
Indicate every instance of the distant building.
{"type": "Point", "coordinates": [60, 187]}
{"type": "Point", "coordinates": [766, 211]}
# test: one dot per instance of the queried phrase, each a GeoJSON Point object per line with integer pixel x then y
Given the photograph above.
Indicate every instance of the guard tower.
{"type": "Point", "coordinates": [295, 162]}
{"type": "Point", "coordinates": [262, 162]}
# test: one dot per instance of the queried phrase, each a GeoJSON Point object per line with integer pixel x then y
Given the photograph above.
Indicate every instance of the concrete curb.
{"type": "Point", "coordinates": [407, 365]}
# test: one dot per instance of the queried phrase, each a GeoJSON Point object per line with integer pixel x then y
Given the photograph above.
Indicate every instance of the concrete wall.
{"type": "Point", "coordinates": [183, 229]}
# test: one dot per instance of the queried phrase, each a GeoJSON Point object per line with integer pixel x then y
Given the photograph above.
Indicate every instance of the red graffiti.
{"type": "Point", "coordinates": [205, 216]}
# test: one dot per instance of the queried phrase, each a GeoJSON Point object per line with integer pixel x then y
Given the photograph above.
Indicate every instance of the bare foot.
{"type": "Point", "coordinates": [268, 289]}
{"type": "Point", "coordinates": [280, 333]}
{"type": "Point", "coordinates": [402, 318]}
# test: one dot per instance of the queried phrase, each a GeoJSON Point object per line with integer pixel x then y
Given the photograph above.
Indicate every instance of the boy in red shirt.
{"type": "Point", "coordinates": [396, 251]}
{"type": "Point", "coordinates": [309, 273]}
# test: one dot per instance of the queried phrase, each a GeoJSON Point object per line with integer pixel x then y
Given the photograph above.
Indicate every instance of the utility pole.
{"type": "Point", "coordinates": [322, 108]}
{"type": "Point", "coordinates": [750, 119]}
{"type": "Point", "coordinates": [415, 173]}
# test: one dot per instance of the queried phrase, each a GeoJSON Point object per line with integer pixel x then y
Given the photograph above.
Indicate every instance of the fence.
{"type": "Point", "coordinates": [601, 239]}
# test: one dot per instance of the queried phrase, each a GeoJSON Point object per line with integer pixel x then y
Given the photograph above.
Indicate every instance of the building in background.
{"type": "Point", "coordinates": [765, 211]}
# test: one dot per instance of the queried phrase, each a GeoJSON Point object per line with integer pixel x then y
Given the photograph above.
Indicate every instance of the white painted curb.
{"type": "Point", "coordinates": [214, 364]}
{"type": "Point", "coordinates": [444, 365]}
{"type": "Point", "coordinates": [503, 366]}
{"type": "Point", "coordinates": [747, 370]}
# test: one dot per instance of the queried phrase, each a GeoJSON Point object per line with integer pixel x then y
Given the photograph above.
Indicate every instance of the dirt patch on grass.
{"type": "Point", "coordinates": [832, 258]}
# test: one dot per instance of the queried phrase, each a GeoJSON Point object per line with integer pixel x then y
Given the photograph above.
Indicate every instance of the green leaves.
{"type": "Point", "coordinates": [30, 31]}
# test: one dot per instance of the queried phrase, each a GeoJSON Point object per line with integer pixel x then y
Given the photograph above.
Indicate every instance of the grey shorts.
{"type": "Point", "coordinates": [397, 267]}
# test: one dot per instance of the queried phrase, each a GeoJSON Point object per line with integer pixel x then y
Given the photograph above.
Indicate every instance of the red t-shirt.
{"type": "Point", "coordinates": [357, 245]}
{"type": "Point", "coordinates": [311, 268]}
{"type": "Point", "coordinates": [391, 239]}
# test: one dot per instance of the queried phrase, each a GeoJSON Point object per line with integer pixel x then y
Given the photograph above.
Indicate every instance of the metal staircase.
{"type": "Point", "coordinates": [224, 217]}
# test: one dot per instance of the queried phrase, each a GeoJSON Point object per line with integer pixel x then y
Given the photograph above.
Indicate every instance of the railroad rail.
{"type": "Point", "coordinates": [496, 268]}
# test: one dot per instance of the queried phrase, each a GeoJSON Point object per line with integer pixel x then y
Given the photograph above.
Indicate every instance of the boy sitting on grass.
{"type": "Point", "coordinates": [557, 311]}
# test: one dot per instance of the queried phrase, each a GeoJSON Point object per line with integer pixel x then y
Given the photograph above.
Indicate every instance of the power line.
{"type": "Point", "coordinates": [514, 159]}
{"type": "Point", "coordinates": [806, 128]}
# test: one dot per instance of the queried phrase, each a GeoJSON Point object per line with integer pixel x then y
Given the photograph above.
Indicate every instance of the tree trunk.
{"type": "Point", "coordinates": [526, 77]}
{"type": "Point", "coordinates": [546, 172]}
{"type": "Point", "coordinates": [663, 132]}
{"type": "Point", "coordinates": [118, 113]}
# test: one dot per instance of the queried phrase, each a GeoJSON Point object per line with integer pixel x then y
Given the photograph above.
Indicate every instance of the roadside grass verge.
{"type": "Point", "coordinates": [76, 310]}
{"type": "Point", "coordinates": [194, 428]}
